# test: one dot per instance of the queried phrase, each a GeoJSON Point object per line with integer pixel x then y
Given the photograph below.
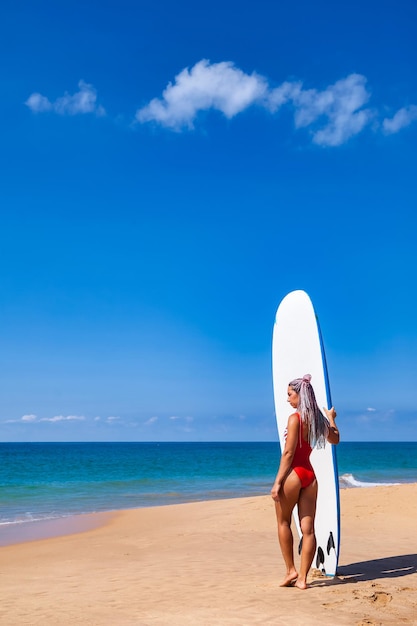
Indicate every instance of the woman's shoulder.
{"type": "Point", "coordinates": [294, 419]}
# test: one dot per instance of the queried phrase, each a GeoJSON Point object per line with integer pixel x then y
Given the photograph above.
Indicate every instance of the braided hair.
{"type": "Point", "coordinates": [318, 426]}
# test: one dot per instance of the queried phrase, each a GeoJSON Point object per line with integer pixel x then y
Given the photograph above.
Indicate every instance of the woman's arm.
{"type": "Point", "coordinates": [287, 455]}
{"type": "Point", "coordinates": [333, 436]}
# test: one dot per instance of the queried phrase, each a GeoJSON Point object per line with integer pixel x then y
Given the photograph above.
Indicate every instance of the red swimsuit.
{"type": "Point", "coordinates": [301, 461]}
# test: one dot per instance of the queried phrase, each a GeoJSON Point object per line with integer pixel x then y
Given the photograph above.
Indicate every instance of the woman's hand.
{"type": "Point", "coordinates": [331, 413]}
{"type": "Point", "coordinates": [333, 436]}
{"type": "Point", "coordinates": [274, 491]}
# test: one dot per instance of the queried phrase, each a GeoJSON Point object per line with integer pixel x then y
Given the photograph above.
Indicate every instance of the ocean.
{"type": "Point", "coordinates": [46, 481]}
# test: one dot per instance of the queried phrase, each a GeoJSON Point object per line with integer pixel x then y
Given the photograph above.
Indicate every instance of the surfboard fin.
{"type": "Point", "coordinates": [320, 559]}
{"type": "Point", "coordinates": [330, 543]}
{"type": "Point", "coordinates": [300, 546]}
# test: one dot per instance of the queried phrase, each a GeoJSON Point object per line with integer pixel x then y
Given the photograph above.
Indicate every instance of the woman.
{"type": "Point", "coordinates": [296, 482]}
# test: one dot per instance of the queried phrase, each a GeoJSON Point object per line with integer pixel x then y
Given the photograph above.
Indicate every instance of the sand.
{"type": "Point", "coordinates": [215, 563]}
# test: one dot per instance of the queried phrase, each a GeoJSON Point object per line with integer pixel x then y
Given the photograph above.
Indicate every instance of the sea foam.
{"type": "Point", "coordinates": [348, 480]}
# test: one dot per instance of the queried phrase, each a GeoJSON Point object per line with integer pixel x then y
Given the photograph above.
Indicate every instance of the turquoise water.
{"type": "Point", "coordinates": [40, 481]}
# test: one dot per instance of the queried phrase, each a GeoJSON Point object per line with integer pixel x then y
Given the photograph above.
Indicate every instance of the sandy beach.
{"type": "Point", "coordinates": [213, 563]}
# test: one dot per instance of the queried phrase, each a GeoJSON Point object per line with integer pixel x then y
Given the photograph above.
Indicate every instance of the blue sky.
{"type": "Point", "coordinates": [169, 173]}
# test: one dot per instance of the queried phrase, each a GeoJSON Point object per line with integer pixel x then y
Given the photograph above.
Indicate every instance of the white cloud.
{"type": "Point", "coordinates": [31, 419]}
{"type": "Point", "coordinates": [112, 418]}
{"type": "Point", "coordinates": [371, 410]}
{"type": "Point", "coordinates": [341, 103]}
{"type": "Point", "coordinates": [404, 117]}
{"type": "Point", "coordinates": [28, 418]}
{"type": "Point", "coordinates": [24, 418]}
{"type": "Point", "coordinates": [220, 86]}
{"type": "Point", "coordinates": [151, 421]}
{"type": "Point", "coordinates": [63, 418]}
{"type": "Point", "coordinates": [279, 96]}
{"type": "Point", "coordinates": [336, 111]}
{"type": "Point", "coordinates": [82, 101]}
{"type": "Point", "coordinates": [38, 103]}
{"type": "Point", "coordinates": [187, 418]}
{"type": "Point", "coordinates": [333, 115]}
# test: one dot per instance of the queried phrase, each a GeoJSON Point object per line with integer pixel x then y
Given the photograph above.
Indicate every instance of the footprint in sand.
{"type": "Point", "coordinates": [380, 598]}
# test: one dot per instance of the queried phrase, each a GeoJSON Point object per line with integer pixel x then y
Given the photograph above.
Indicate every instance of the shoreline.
{"type": "Point", "coordinates": [216, 563]}
{"type": "Point", "coordinates": [15, 534]}
{"type": "Point", "coordinates": [27, 531]}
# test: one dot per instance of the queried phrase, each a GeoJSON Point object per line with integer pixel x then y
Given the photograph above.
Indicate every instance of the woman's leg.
{"type": "Point", "coordinates": [306, 513]}
{"type": "Point", "coordinates": [288, 497]}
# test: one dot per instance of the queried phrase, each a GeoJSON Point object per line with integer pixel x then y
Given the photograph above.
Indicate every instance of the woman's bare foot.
{"type": "Point", "coordinates": [301, 584]}
{"type": "Point", "coordinates": [290, 579]}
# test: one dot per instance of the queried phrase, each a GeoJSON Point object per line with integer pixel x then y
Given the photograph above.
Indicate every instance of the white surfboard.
{"type": "Point", "coordinates": [297, 349]}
